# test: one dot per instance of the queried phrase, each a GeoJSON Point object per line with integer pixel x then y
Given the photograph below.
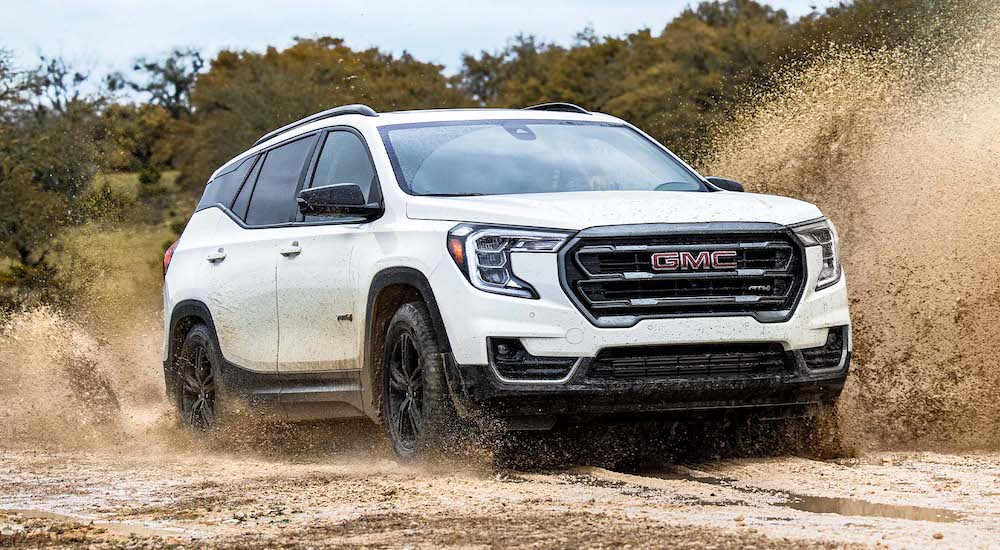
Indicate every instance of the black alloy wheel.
{"type": "Point", "coordinates": [198, 395]}
{"type": "Point", "coordinates": [406, 392]}
{"type": "Point", "coordinates": [417, 407]}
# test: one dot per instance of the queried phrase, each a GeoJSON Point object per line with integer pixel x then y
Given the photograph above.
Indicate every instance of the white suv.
{"type": "Point", "coordinates": [529, 266]}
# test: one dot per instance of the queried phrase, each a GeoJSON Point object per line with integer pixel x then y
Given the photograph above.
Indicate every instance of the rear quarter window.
{"type": "Point", "coordinates": [222, 190]}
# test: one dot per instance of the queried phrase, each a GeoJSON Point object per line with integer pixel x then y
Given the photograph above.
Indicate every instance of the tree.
{"type": "Point", "coordinates": [673, 85]}
{"type": "Point", "coordinates": [138, 136]}
{"type": "Point", "coordinates": [15, 86]}
{"type": "Point", "coordinates": [512, 77]}
{"type": "Point", "coordinates": [169, 80]}
{"type": "Point", "coordinates": [58, 85]}
{"type": "Point", "coordinates": [246, 94]}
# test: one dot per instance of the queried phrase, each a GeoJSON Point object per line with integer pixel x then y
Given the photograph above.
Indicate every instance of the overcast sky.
{"type": "Point", "coordinates": [107, 34]}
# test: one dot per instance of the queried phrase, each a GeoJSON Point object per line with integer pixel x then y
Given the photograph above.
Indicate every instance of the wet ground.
{"type": "Point", "coordinates": [355, 495]}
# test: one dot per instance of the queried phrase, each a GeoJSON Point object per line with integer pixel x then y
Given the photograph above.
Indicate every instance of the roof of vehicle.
{"type": "Point", "coordinates": [355, 115]}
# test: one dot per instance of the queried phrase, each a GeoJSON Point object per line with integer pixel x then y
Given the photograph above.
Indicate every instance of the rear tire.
{"type": "Point", "coordinates": [199, 392]}
{"type": "Point", "coordinates": [417, 409]}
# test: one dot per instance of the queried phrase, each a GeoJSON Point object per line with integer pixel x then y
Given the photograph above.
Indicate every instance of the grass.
{"type": "Point", "coordinates": [128, 182]}
{"type": "Point", "coordinates": [114, 269]}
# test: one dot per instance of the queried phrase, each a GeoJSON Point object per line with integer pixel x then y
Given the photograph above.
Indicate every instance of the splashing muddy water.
{"type": "Point", "coordinates": [902, 150]}
{"type": "Point", "coordinates": [63, 385]}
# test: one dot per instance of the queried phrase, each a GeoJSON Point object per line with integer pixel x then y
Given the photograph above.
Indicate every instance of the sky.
{"type": "Point", "coordinates": [104, 35]}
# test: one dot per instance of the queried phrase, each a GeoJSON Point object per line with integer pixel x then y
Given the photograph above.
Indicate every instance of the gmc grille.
{"type": "Point", "coordinates": [613, 280]}
{"type": "Point", "coordinates": [698, 361]}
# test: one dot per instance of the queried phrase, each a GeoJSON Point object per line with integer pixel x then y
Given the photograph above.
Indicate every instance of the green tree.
{"type": "Point", "coordinates": [28, 211]}
{"type": "Point", "coordinates": [169, 81]}
{"type": "Point", "coordinates": [139, 136]}
{"type": "Point", "coordinates": [672, 85]}
{"type": "Point", "coordinates": [245, 94]}
{"type": "Point", "coordinates": [875, 24]}
{"type": "Point", "coordinates": [703, 62]}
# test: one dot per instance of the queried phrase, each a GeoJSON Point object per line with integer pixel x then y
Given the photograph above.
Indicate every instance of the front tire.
{"type": "Point", "coordinates": [419, 415]}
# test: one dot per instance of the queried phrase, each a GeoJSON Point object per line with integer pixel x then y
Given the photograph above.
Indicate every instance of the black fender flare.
{"type": "Point", "coordinates": [383, 279]}
{"type": "Point", "coordinates": [184, 309]}
{"type": "Point", "coordinates": [416, 279]}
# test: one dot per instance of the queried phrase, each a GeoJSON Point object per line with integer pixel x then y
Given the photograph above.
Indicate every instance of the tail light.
{"type": "Point", "coordinates": [167, 256]}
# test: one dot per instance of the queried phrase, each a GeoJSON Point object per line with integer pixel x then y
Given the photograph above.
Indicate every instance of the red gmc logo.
{"type": "Point", "coordinates": [672, 261]}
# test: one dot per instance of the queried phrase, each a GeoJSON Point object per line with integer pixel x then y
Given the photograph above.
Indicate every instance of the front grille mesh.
{"type": "Point", "coordinates": [614, 276]}
{"type": "Point", "coordinates": [697, 361]}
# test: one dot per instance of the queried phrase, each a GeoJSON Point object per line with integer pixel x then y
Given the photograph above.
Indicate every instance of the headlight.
{"type": "Point", "coordinates": [483, 255]}
{"type": "Point", "coordinates": [822, 233]}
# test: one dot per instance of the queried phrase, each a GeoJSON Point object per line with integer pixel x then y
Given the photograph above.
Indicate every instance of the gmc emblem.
{"type": "Point", "coordinates": [672, 261]}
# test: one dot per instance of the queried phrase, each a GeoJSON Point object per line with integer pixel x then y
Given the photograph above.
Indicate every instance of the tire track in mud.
{"type": "Point", "coordinates": [858, 500]}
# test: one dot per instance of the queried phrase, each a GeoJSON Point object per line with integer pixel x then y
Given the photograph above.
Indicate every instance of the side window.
{"type": "Point", "coordinates": [242, 201]}
{"type": "Point", "coordinates": [344, 159]}
{"type": "Point", "coordinates": [273, 198]}
{"type": "Point", "coordinates": [223, 188]}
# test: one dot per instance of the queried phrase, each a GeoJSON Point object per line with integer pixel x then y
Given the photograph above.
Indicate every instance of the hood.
{"type": "Point", "coordinates": [581, 210]}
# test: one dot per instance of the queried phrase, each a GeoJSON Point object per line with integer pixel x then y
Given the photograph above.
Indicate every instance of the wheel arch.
{"type": "Point", "coordinates": [185, 315]}
{"type": "Point", "coordinates": [389, 289]}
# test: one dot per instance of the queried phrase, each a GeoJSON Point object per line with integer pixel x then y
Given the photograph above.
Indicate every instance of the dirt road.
{"type": "Point", "coordinates": [324, 491]}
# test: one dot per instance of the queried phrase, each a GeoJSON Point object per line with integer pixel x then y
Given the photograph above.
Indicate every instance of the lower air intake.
{"type": "Point", "coordinates": [700, 361]}
{"type": "Point", "coordinates": [830, 355]}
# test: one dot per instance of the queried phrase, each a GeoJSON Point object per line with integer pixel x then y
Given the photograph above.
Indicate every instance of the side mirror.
{"type": "Point", "coordinates": [726, 184]}
{"type": "Point", "coordinates": [336, 200]}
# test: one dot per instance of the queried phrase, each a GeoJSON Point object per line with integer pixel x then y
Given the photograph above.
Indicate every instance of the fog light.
{"type": "Point", "coordinates": [513, 363]}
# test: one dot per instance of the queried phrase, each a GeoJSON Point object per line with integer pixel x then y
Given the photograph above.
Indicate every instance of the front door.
{"type": "Point", "coordinates": [319, 294]}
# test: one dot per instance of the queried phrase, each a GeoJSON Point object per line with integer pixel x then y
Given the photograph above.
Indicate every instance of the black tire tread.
{"type": "Point", "coordinates": [441, 423]}
{"type": "Point", "coordinates": [200, 333]}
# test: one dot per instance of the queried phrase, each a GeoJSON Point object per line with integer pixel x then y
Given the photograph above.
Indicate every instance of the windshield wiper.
{"type": "Point", "coordinates": [670, 185]}
{"type": "Point", "coordinates": [452, 194]}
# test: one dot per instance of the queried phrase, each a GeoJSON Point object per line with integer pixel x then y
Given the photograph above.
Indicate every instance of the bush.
{"type": "Point", "coordinates": [106, 204]}
{"type": "Point", "coordinates": [149, 175]}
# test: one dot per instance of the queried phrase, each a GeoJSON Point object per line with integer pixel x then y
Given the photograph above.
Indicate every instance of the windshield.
{"type": "Point", "coordinates": [498, 157]}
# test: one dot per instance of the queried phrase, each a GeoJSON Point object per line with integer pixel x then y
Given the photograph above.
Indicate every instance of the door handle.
{"type": "Point", "coordinates": [293, 250]}
{"type": "Point", "coordinates": [214, 257]}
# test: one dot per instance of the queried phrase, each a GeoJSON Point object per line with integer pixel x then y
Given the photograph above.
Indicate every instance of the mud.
{"type": "Point", "coordinates": [901, 149]}
{"type": "Point", "coordinates": [826, 505]}
{"type": "Point", "coordinates": [324, 497]}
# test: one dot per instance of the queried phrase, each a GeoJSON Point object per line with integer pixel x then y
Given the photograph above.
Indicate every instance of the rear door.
{"type": "Point", "coordinates": [244, 295]}
{"type": "Point", "coordinates": [318, 288]}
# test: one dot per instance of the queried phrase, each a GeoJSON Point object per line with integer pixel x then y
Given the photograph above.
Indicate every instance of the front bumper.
{"type": "Point", "coordinates": [479, 392]}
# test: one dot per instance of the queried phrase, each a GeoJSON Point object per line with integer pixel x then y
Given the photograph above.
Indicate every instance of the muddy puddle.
{"type": "Point", "coordinates": [818, 505]}
{"type": "Point", "coordinates": [114, 527]}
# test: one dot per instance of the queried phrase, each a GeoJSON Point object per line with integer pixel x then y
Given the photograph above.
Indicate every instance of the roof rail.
{"type": "Point", "coordinates": [354, 109]}
{"type": "Point", "coordinates": [561, 107]}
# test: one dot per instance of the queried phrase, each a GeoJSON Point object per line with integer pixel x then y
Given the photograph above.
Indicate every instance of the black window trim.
{"type": "Point", "coordinates": [306, 176]}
